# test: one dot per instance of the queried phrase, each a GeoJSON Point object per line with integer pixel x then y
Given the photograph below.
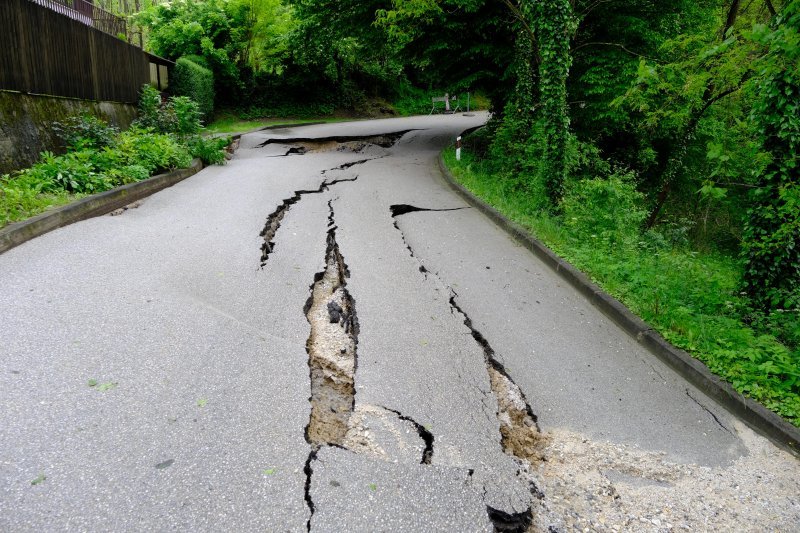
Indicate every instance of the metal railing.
{"type": "Point", "coordinates": [86, 12]}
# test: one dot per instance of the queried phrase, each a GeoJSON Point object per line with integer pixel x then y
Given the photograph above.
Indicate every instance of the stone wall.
{"type": "Point", "coordinates": [25, 124]}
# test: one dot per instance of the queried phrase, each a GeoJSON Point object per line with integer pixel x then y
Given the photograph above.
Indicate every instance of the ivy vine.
{"type": "Point", "coordinates": [555, 23]}
{"type": "Point", "coordinates": [771, 240]}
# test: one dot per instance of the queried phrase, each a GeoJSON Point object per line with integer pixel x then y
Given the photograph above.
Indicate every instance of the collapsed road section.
{"type": "Point", "coordinates": [353, 143]}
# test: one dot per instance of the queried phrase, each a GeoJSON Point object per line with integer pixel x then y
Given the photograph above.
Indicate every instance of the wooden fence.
{"type": "Point", "coordinates": [86, 12]}
{"type": "Point", "coordinates": [46, 52]}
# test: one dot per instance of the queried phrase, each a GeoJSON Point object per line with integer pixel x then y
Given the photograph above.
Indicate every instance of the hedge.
{"type": "Point", "coordinates": [196, 82]}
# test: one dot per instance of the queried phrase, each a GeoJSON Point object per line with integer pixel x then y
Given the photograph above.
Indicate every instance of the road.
{"type": "Point", "coordinates": [321, 335]}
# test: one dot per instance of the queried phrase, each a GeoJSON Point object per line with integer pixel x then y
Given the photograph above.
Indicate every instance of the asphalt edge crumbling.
{"type": "Point", "coordinates": [92, 206]}
{"type": "Point", "coordinates": [751, 412]}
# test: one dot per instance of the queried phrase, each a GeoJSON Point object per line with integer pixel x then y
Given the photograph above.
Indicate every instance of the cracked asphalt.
{"type": "Point", "coordinates": [155, 376]}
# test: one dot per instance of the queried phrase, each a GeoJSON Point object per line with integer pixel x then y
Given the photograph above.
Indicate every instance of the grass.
{"type": "Point", "coordinates": [231, 124]}
{"type": "Point", "coordinates": [418, 102]}
{"type": "Point", "coordinates": [233, 121]}
{"type": "Point", "coordinates": [690, 298]}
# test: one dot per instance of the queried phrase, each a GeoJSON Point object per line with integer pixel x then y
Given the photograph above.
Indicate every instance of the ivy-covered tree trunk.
{"type": "Point", "coordinates": [771, 244]}
{"type": "Point", "coordinates": [523, 101]}
{"type": "Point", "coordinates": [554, 24]}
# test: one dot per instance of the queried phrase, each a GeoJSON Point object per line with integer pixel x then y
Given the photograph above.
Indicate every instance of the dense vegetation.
{"type": "Point", "coordinates": [98, 157]}
{"type": "Point", "coordinates": [652, 142]}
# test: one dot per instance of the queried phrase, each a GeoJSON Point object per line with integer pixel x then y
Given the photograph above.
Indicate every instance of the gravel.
{"type": "Point", "coordinates": [596, 486]}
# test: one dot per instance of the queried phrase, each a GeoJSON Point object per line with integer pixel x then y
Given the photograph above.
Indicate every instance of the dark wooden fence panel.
{"type": "Point", "coordinates": [45, 52]}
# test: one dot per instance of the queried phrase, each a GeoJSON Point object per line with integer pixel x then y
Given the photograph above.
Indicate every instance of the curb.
{"type": "Point", "coordinates": [755, 415]}
{"type": "Point", "coordinates": [91, 206]}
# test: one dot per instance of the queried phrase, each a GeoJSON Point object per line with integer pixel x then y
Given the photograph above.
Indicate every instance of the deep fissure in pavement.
{"type": "Point", "coordinates": [308, 470]}
{"type": "Point", "coordinates": [332, 355]}
{"type": "Point", "coordinates": [519, 431]}
{"type": "Point", "coordinates": [353, 143]}
{"type": "Point", "coordinates": [331, 347]}
{"type": "Point", "coordinates": [402, 209]}
{"type": "Point", "coordinates": [424, 434]}
{"type": "Point", "coordinates": [276, 217]}
{"type": "Point", "coordinates": [520, 436]}
{"type": "Point", "coordinates": [351, 164]}
{"type": "Point", "coordinates": [512, 523]}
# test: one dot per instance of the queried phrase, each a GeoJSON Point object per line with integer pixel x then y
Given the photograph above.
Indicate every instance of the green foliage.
{"type": "Point", "coordinates": [196, 82]}
{"type": "Point", "coordinates": [153, 151]}
{"type": "Point", "coordinates": [187, 115]}
{"type": "Point", "coordinates": [22, 198]}
{"type": "Point", "coordinates": [235, 38]}
{"type": "Point", "coordinates": [100, 158]}
{"type": "Point", "coordinates": [554, 24]}
{"type": "Point", "coordinates": [179, 115]}
{"type": "Point", "coordinates": [149, 108]}
{"type": "Point", "coordinates": [772, 231]}
{"type": "Point", "coordinates": [84, 131]}
{"type": "Point", "coordinates": [211, 150]}
{"type": "Point", "coordinates": [215, 30]}
{"type": "Point", "coordinates": [606, 211]}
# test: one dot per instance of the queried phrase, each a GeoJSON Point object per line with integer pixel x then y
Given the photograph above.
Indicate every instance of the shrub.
{"type": "Point", "coordinates": [128, 174]}
{"type": "Point", "coordinates": [179, 114]}
{"type": "Point", "coordinates": [149, 108]}
{"type": "Point", "coordinates": [195, 81]}
{"type": "Point", "coordinates": [72, 172]}
{"type": "Point", "coordinates": [21, 198]}
{"type": "Point", "coordinates": [211, 150]}
{"type": "Point", "coordinates": [186, 114]}
{"type": "Point", "coordinates": [85, 131]}
{"type": "Point", "coordinates": [151, 150]}
{"type": "Point", "coordinates": [609, 209]}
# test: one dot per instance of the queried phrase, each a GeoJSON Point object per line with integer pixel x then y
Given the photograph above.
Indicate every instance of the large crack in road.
{"type": "Point", "coordinates": [332, 356]}
{"type": "Point", "coordinates": [306, 145]}
{"type": "Point", "coordinates": [331, 347]}
{"type": "Point", "coordinates": [275, 218]}
{"type": "Point", "coordinates": [353, 143]}
{"type": "Point", "coordinates": [520, 434]}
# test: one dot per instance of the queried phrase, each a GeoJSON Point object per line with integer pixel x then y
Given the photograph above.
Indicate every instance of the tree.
{"type": "Point", "coordinates": [232, 36]}
{"type": "Point", "coordinates": [771, 244]}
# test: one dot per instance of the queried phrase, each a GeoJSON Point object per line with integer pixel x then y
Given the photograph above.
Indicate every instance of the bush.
{"type": "Point", "coordinates": [73, 172]}
{"type": "Point", "coordinates": [21, 198]}
{"type": "Point", "coordinates": [211, 150]}
{"type": "Point", "coordinates": [151, 150]}
{"type": "Point", "coordinates": [149, 108]}
{"type": "Point", "coordinates": [179, 115]}
{"type": "Point", "coordinates": [607, 209]}
{"type": "Point", "coordinates": [195, 81]}
{"type": "Point", "coordinates": [186, 115]}
{"type": "Point", "coordinates": [85, 131]}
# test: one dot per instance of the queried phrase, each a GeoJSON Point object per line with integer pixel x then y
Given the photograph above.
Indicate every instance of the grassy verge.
{"type": "Point", "coordinates": [418, 102]}
{"type": "Point", "coordinates": [232, 124]}
{"type": "Point", "coordinates": [691, 298]}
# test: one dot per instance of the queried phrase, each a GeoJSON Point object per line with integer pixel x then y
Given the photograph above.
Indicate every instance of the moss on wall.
{"type": "Point", "coordinates": [25, 124]}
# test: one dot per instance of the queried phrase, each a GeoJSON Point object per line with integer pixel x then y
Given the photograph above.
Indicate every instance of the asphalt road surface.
{"type": "Point", "coordinates": [321, 335]}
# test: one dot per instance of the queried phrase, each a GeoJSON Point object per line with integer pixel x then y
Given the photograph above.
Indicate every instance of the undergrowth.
{"type": "Point", "coordinates": [98, 157]}
{"type": "Point", "coordinates": [691, 298]}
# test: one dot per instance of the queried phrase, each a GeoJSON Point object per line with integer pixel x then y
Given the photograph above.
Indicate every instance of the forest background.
{"type": "Point", "coordinates": [652, 143]}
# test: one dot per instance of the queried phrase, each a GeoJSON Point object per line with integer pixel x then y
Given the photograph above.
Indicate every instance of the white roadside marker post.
{"type": "Point", "coordinates": [458, 148]}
